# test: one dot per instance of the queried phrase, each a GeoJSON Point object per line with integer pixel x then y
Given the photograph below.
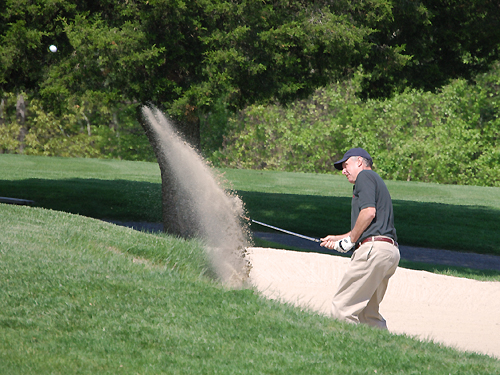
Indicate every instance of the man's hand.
{"type": "Point", "coordinates": [343, 245]}
{"type": "Point", "coordinates": [329, 241]}
{"type": "Point", "coordinates": [338, 243]}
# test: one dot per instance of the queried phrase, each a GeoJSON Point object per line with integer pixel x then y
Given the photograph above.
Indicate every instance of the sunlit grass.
{"type": "Point", "coordinates": [78, 295]}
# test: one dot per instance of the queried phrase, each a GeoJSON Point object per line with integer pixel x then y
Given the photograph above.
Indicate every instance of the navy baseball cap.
{"type": "Point", "coordinates": [353, 152]}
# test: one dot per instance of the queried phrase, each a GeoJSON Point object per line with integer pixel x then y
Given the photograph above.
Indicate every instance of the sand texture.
{"type": "Point", "coordinates": [457, 312]}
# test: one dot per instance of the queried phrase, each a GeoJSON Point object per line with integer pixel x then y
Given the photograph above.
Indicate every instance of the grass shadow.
{"type": "Point", "coordinates": [422, 224]}
{"type": "Point", "coordinates": [101, 199]}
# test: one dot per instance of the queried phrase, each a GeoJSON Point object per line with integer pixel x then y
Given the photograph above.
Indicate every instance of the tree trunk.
{"type": "Point", "coordinates": [21, 120]}
{"type": "Point", "coordinates": [2, 106]}
{"type": "Point", "coordinates": [177, 218]}
{"type": "Point", "coordinates": [2, 120]}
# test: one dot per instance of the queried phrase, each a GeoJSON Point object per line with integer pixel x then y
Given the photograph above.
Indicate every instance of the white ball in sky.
{"type": "Point", "coordinates": [53, 48]}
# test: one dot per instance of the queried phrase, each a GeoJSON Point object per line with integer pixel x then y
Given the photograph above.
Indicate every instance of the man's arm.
{"type": "Point", "coordinates": [365, 218]}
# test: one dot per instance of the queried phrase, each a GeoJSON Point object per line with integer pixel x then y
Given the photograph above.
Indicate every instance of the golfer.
{"type": "Point", "coordinates": [373, 239]}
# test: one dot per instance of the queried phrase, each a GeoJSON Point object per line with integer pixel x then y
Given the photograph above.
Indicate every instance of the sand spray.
{"type": "Point", "coordinates": [214, 212]}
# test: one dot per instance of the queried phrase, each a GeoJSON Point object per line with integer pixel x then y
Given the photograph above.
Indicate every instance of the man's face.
{"type": "Point", "coordinates": [351, 167]}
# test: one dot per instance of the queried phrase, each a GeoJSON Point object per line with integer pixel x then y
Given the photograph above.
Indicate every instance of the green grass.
{"type": "Point", "coordinates": [81, 296]}
{"type": "Point", "coordinates": [462, 218]}
{"type": "Point", "coordinates": [103, 189]}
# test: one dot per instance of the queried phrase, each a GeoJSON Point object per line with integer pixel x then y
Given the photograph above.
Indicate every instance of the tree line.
{"type": "Point", "coordinates": [185, 56]}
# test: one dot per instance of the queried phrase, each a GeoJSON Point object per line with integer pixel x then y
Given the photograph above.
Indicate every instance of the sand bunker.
{"type": "Point", "coordinates": [457, 312]}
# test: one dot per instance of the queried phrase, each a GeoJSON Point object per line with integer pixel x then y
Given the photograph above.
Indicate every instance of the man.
{"type": "Point", "coordinates": [373, 239]}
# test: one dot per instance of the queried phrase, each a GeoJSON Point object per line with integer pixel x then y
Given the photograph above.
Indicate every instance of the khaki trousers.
{"type": "Point", "coordinates": [364, 284]}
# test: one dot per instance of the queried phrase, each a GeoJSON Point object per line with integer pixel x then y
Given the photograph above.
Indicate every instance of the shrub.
{"type": "Point", "coordinates": [82, 130]}
{"type": "Point", "coordinates": [448, 137]}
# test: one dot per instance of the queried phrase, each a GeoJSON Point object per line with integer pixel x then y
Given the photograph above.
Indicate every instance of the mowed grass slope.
{"type": "Point", "coordinates": [78, 295]}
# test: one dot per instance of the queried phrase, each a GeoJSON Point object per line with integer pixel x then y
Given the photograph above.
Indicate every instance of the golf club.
{"type": "Point", "coordinates": [287, 231]}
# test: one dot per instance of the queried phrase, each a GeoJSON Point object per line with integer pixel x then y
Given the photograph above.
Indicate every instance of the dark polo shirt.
{"type": "Point", "coordinates": [370, 191]}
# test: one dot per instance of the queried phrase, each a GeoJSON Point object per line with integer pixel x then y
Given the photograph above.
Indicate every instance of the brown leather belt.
{"type": "Point", "coordinates": [378, 238]}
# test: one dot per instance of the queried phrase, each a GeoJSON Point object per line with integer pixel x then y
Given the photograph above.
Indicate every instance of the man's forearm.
{"type": "Point", "coordinates": [365, 218]}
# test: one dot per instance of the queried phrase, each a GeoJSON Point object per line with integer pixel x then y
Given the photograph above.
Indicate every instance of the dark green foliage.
{"type": "Point", "coordinates": [185, 55]}
{"type": "Point", "coordinates": [445, 40]}
{"type": "Point", "coordinates": [180, 55]}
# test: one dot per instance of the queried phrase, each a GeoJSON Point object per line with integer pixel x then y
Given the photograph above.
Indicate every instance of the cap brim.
{"type": "Point", "coordinates": [338, 165]}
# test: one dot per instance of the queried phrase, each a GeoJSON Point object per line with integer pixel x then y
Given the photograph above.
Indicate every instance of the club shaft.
{"type": "Point", "coordinates": [287, 231]}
